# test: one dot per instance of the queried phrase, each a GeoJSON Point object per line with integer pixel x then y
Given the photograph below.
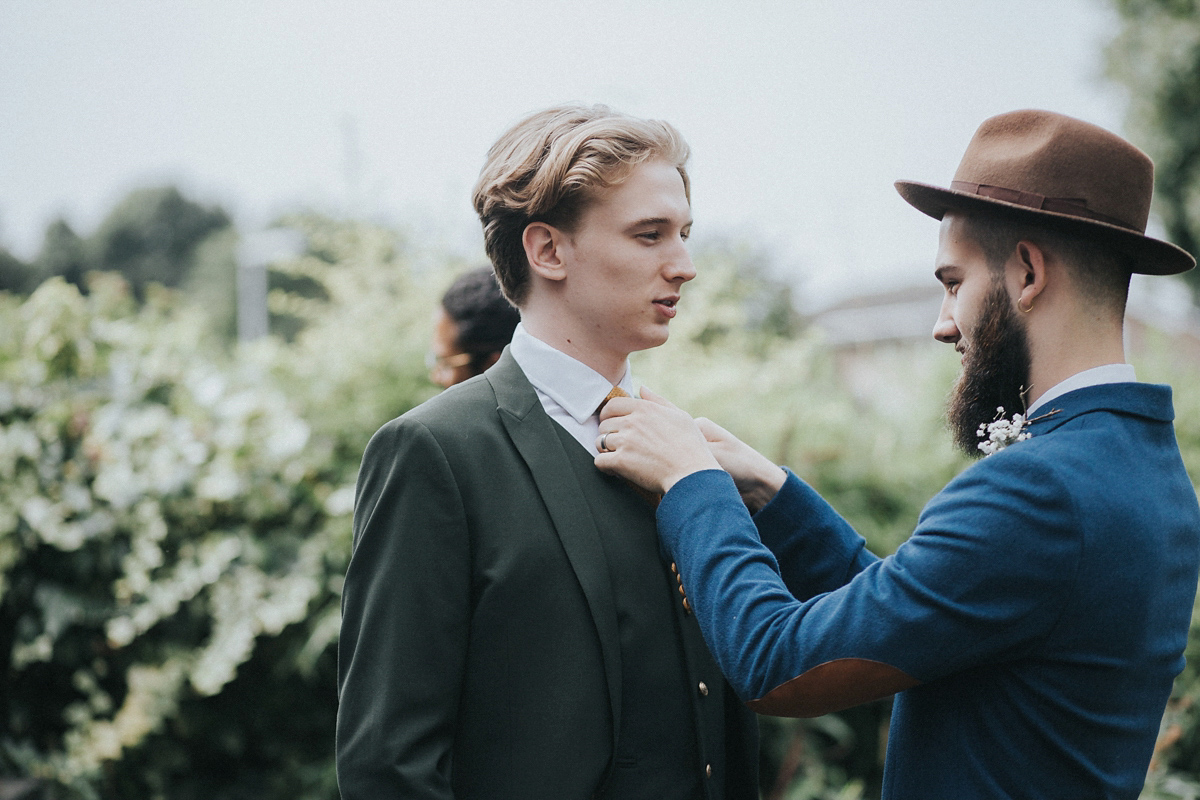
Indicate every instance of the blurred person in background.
{"type": "Point", "coordinates": [471, 328]}
{"type": "Point", "coordinates": [510, 628]}
{"type": "Point", "coordinates": [1034, 622]}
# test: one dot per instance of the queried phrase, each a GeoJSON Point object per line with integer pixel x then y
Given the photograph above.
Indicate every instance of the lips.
{"type": "Point", "coordinates": [666, 306]}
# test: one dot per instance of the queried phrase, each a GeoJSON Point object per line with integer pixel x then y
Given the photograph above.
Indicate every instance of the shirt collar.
{"type": "Point", "coordinates": [575, 386]}
{"type": "Point", "coordinates": [1109, 373]}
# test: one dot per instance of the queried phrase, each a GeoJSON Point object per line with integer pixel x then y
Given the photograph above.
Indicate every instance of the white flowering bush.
{"type": "Point", "coordinates": [175, 522]}
{"type": "Point", "coordinates": [358, 359]}
{"type": "Point", "coordinates": [161, 517]}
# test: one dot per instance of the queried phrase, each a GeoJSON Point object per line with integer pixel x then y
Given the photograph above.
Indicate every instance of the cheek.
{"type": "Point", "coordinates": [967, 311]}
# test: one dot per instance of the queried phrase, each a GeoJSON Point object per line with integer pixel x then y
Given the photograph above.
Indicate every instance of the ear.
{"type": "Point", "coordinates": [1029, 263]}
{"type": "Point", "coordinates": [544, 244]}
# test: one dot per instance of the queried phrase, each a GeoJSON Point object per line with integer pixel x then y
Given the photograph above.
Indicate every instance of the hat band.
{"type": "Point", "coordinates": [1074, 207]}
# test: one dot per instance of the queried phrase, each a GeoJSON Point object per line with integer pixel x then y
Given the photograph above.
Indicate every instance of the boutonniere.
{"type": "Point", "coordinates": [1002, 431]}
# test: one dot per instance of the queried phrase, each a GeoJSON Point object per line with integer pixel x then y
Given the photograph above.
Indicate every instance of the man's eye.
{"type": "Point", "coordinates": [685, 233]}
{"type": "Point", "coordinates": [952, 287]}
{"type": "Point", "coordinates": [651, 236]}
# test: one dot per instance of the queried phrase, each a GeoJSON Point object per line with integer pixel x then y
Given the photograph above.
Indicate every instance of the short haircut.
{"type": "Point", "coordinates": [482, 317]}
{"type": "Point", "coordinates": [1099, 271]}
{"type": "Point", "coordinates": [549, 165]}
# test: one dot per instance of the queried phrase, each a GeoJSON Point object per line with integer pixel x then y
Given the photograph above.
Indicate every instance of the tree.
{"type": "Point", "coordinates": [63, 254]}
{"type": "Point", "coordinates": [1156, 56]}
{"type": "Point", "coordinates": [152, 236]}
{"type": "Point", "coordinates": [15, 275]}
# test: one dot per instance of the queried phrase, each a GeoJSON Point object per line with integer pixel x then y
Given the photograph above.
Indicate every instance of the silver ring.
{"type": "Point", "coordinates": [604, 444]}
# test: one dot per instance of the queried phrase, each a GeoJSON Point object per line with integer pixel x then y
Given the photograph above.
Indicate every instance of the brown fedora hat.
{"type": "Point", "coordinates": [1062, 171]}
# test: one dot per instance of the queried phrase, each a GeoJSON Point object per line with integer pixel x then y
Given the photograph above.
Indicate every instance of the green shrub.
{"type": "Point", "coordinates": [175, 522]}
{"type": "Point", "coordinates": [169, 559]}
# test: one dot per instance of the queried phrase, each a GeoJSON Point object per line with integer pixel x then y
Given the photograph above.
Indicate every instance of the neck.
{"type": "Point", "coordinates": [552, 326]}
{"type": "Point", "coordinates": [1069, 344]}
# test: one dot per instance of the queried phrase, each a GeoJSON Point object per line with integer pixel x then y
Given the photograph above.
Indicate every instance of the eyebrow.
{"type": "Point", "coordinates": [940, 272]}
{"type": "Point", "coordinates": [657, 221]}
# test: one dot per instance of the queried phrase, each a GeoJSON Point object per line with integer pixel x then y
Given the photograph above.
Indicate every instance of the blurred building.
{"type": "Point", "coordinates": [880, 339]}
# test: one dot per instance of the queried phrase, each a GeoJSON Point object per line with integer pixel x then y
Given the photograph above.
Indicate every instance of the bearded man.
{"type": "Point", "coordinates": [1035, 620]}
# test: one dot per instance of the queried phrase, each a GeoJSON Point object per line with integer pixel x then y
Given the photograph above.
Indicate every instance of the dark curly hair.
{"type": "Point", "coordinates": [483, 317]}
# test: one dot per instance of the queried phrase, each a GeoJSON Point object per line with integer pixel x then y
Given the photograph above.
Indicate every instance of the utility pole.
{"type": "Point", "coordinates": [255, 253]}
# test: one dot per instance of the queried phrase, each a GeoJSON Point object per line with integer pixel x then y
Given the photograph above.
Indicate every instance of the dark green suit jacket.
{"type": "Point", "coordinates": [481, 652]}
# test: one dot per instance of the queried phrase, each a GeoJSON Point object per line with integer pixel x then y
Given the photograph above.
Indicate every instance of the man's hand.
{"type": "Point", "coordinates": [653, 443]}
{"type": "Point", "coordinates": [756, 476]}
{"type": "Point", "coordinates": [650, 442]}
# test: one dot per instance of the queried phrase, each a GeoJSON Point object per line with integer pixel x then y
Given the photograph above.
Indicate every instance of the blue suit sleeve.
{"type": "Point", "coordinates": [816, 548]}
{"type": "Point", "coordinates": [981, 575]}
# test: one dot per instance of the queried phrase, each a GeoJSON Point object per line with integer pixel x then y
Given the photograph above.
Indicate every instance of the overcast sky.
{"type": "Point", "coordinates": [800, 113]}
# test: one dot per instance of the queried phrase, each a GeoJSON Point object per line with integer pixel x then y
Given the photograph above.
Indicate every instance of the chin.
{"type": "Point", "coordinates": [659, 337]}
{"type": "Point", "coordinates": [648, 342]}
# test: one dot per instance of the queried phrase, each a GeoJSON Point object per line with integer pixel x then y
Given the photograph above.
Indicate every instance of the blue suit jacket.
{"type": "Point", "coordinates": [1035, 619]}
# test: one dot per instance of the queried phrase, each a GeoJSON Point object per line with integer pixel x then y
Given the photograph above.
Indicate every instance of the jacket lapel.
{"type": "Point", "coordinates": [533, 434]}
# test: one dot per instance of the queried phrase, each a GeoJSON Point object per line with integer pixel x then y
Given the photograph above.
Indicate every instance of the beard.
{"type": "Point", "coordinates": [995, 372]}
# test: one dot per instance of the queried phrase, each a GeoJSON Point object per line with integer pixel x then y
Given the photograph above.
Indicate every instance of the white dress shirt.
{"type": "Point", "coordinates": [1109, 373]}
{"type": "Point", "coordinates": [570, 390]}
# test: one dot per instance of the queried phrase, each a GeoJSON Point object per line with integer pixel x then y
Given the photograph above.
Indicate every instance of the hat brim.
{"type": "Point", "coordinates": [1150, 256]}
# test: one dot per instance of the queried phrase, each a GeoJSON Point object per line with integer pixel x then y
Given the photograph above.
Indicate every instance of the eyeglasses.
{"type": "Point", "coordinates": [433, 362]}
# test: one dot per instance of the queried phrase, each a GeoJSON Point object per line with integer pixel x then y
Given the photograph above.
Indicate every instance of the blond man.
{"type": "Point", "coordinates": [510, 629]}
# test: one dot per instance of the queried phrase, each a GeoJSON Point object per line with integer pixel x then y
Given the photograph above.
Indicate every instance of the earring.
{"type": "Point", "coordinates": [1025, 310]}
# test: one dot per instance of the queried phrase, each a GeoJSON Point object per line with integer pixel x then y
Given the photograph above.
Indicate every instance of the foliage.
{"type": "Point", "coordinates": [357, 358]}
{"type": "Point", "coordinates": [15, 275]}
{"type": "Point", "coordinates": [168, 559]}
{"type": "Point", "coordinates": [1156, 56]}
{"type": "Point", "coordinates": [211, 282]}
{"type": "Point", "coordinates": [63, 254]}
{"type": "Point", "coordinates": [152, 236]}
{"type": "Point", "coordinates": [174, 523]}
{"type": "Point", "coordinates": [174, 526]}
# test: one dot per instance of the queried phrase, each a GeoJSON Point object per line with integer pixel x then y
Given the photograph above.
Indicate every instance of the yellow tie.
{"type": "Point", "coordinates": [617, 391]}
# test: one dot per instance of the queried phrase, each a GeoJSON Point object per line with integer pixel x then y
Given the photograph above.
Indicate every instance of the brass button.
{"type": "Point", "coordinates": [708, 770]}
{"type": "Point", "coordinates": [687, 608]}
{"type": "Point", "coordinates": [674, 568]}
{"type": "Point", "coordinates": [703, 687]}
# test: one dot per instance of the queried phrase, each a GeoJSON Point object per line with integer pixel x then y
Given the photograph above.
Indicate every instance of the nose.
{"type": "Point", "coordinates": [945, 330]}
{"type": "Point", "coordinates": [680, 267]}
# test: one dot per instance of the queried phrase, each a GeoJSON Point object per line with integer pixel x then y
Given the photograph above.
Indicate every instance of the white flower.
{"type": "Point", "coordinates": [340, 501]}
{"type": "Point", "coordinates": [1001, 432]}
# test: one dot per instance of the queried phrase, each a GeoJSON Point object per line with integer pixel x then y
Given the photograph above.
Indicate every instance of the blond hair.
{"type": "Point", "coordinates": [549, 165]}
